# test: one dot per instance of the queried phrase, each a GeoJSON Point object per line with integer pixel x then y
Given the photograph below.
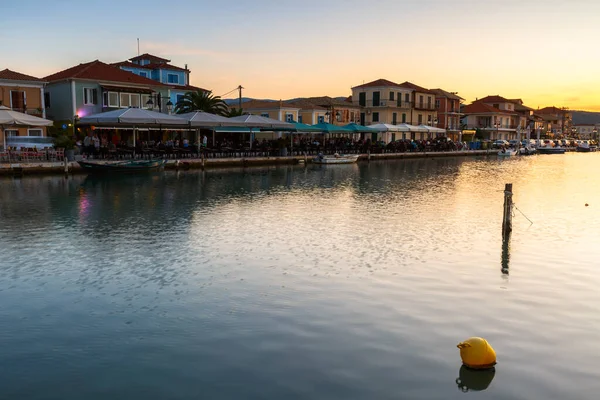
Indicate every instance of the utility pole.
{"type": "Point", "coordinates": [240, 96]}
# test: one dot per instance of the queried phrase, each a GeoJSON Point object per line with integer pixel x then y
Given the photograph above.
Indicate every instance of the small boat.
{"type": "Point", "coordinates": [527, 151]}
{"type": "Point", "coordinates": [335, 159]}
{"type": "Point", "coordinates": [585, 147]}
{"type": "Point", "coordinates": [121, 166]}
{"type": "Point", "coordinates": [507, 153]}
{"type": "Point", "coordinates": [551, 150]}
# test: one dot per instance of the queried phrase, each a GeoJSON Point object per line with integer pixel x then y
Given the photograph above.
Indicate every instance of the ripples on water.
{"type": "Point", "coordinates": [350, 282]}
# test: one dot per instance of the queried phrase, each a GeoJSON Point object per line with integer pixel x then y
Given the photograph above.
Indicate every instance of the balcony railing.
{"type": "Point", "coordinates": [29, 111]}
{"type": "Point", "coordinates": [424, 106]}
{"type": "Point", "coordinates": [493, 127]}
{"type": "Point", "coordinates": [388, 103]}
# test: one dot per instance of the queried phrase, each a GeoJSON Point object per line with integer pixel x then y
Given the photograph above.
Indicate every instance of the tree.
{"type": "Point", "coordinates": [201, 101]}
{"type": "Point", "coordinates": [234, 112]}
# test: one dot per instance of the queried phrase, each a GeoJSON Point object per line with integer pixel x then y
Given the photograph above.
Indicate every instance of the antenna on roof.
{"type": "Point", "coordinates": [138, 40]}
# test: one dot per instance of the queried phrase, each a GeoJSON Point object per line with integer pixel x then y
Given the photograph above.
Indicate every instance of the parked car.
{"type": "Point", "coordinates": [513, 143]}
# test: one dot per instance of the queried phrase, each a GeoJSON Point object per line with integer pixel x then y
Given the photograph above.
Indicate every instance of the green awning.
{"type": "Point", "coordinates": [235, 129]}
{"type": "Point", "coordinates": [359, 128]}
{"type": "Point", "coordinates": [330, 128]}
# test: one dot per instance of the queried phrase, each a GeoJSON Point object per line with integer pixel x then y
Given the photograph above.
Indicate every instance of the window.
{"type": "Point", "coordinates": [172, 78]}
{"type": "Point", "coordinates": [420, 118]}
{"type": "Point", "coordinates": [289, 118]}
{"type": "Point", "coordinates": [34, 132]}
{"type": "Point", "coordinates": [90, 96]}
{"type": "Point", "coordinates": [437, 104]}
{"type": "Point", "coordinates": [11, 133]}
{"type": "Point", "coordinates": [179, 97]}
{"type": "Point", "coordinates": [403, 118]}
{"type": "Point", "coordinates": [407, 98]}
{"type": "Point", "coordinates": [110, 99]}
{"type": "Point", "coordinates": [421, 101]}
{"type": "Point", "coordinates": [394, 118]}
{"type": "Point", "coordinates": [265, 115]}
{"type": "Point", "coordinates": [376, 99]}
{"type": "Point", "coordinates": [496, 105]}
{"type": "Point", "coordinates": [145, 98]}
{"type": "Point", "coordinates": [18, 99]}
{"type": "Point", "coordinates": [124, 100]}
{"type": "Point", "coordinates": [375, 117]}
{"type": "Point", "coordinates": [134, 100]}
{"type": "Point", "coordinates": [300, 118]}
{"type": "Point", "coordinates": [429, 101]}
{"type": "Point", "coordinates": [47, 99]}
{"type": "Point", "coordinates": [362, 99]}
{"type": "Point", "coordinates": [144, 74]}
{"type": "Point", "coordinates": [391, 96]}
{"type": "Point", "coordinates": [321, 119]}
{"type": "Point", "coordinates": [352, 116]}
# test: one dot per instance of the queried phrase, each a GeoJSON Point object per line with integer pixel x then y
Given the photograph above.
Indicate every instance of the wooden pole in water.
{"type": "Point", "coordinates": [507, 217]}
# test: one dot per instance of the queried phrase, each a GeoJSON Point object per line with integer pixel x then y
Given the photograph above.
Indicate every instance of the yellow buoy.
{"type": "Point", "coordinates": [477, 353]}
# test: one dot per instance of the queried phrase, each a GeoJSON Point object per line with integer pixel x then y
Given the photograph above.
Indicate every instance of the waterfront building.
{"type": "Point", "coordinates": [558, 121]}
{"type": "Point", "coordinates": [387, 102]}
{"type": "Point", "coordinates": [308, 112]}
{"type": "Point", "coordinates": [96, 87]}
{"type": "Point", "coordinates": [338, 111]}
{"type": "Point", "coordinates": [495, 117]}
{"type": "Point", "coordinates": [159, 69]}
{"type": "Point", "coordinates": [447, 105]}
{"type": "Point", "coordinates": [279, 110]}
{"type": "Point", "coordinates": [25, 94]}
{"type": "Point", "coordinates": [585, 131]}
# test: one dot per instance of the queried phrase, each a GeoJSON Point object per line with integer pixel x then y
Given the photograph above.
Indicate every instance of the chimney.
{"type": "Point", "coordinates": [187, 75]}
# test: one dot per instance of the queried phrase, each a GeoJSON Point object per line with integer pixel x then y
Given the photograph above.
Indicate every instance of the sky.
{"type": "Point", "coordinates": [542, 51]}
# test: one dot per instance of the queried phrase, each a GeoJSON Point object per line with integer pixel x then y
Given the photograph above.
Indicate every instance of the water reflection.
{"type": "Point", "coordinates": [470, 380]}
{"type": "Point", "coordinates": [505, 253]}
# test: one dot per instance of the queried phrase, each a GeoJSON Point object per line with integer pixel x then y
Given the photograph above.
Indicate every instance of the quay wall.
{"type": "Point", "coordinates": [58, 168]}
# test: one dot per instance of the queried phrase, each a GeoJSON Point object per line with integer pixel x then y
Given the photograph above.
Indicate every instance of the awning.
{"type": "Point", "coordinates": [126, 89]}
{"type": "Point", "coordinates": [235, 129]}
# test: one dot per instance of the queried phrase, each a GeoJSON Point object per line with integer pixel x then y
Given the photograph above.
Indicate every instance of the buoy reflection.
{"type": "Point", "coordinates": [470, 380]}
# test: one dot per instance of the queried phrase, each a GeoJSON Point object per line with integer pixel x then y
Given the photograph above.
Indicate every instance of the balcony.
{"type": "Point", "coordinates": [388, 104]}
{"type": "Point", "coordinates": [493, 128]}
{"type": "Point", "coordinates": [29, 111]}
{"type": "Point", "coordinates": [424, 106]}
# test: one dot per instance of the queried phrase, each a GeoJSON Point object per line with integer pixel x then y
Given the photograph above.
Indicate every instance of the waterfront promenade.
{"type": "Point", "coordinates": [55, 168]}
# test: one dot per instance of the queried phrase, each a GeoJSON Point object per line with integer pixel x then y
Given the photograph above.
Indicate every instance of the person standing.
{"type": "Point", "coordinates": [204, 141]}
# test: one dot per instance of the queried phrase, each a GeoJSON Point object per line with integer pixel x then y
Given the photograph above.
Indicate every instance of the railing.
{"type": "Point", "coordinates": [424, 106]}
{"type": "Point", "coordinates": [29, 111]}
{"type": "Point", "coordinates": [481, 126]}
{"type": "Point", "coordinates": [387, 103]}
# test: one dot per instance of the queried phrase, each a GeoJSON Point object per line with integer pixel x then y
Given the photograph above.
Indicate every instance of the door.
{"type": "Point", "coordinates": [362, 119]}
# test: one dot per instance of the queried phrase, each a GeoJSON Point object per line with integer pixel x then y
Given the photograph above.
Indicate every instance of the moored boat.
{"type": "Point", "coordinates": [551, 150]}
{"type": "Point", "coordinates": [585, 147]}
{"type": "Point", "coordinates": [527, 151]}
{"type": "Point", "coordinates": [507, 153]}
{"type": "Point", "coordinates": [335, 159]}
{"type": "Point", "coordinates": [121, 166]}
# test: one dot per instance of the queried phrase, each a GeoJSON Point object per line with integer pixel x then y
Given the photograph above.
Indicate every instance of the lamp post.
{"type": "Point", "coordinates": [169, 107]}
{"type": "Point", "coordinates": [149, 104]}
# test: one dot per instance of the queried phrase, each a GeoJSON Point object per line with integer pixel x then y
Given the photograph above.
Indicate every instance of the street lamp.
{"type": "Point", "coordinates": [329, 114]}
{"type": "Point", "coordinates": [149, 104]}
{"type": "Point", "coordinates": [169, 106]}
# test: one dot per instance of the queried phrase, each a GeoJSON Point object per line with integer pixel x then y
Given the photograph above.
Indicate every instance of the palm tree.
{"type": "Point", "coordinates": [234, 112]}
{"type": "Point", "coordinates": [201, 101]}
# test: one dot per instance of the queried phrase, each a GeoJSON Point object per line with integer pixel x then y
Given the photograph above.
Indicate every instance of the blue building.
{"type": "Point", "coordinates": [159, 69]}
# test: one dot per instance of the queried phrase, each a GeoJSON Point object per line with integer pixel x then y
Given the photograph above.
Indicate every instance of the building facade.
{"type": "Point", "coordinates": [96, 87]}
{"type": "Point", "coordinates": [447, 105]}
{"type": "Point", "coordinates": [25, 94]}
{"type": "Point", "coordinates": [496, 117]}
{"type": "Point", "coordinates": [158, 69]}
{"type": "Point", "coordinates": [384, 101]}
{"type": "Point", "coordinates": [557, 121]}
{"type": "Point", "coordinates": [585, 131]}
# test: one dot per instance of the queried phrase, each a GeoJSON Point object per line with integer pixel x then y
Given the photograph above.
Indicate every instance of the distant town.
{"type": "Point", "coordinates": [152, 82]}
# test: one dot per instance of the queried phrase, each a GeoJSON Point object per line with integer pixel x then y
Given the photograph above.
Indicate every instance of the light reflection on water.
{"type": "Point", "coordinates": [351, 282]}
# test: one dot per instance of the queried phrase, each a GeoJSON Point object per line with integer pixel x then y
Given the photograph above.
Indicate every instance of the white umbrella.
{"type": "Point", "coordinates": [385, 127]}
{"type": "Point", "coordinates": [201, 119]}
{"type": "Point", "coordinates": [132, 116]}
{"type": "Point", "coordinates": [256, 121]}
{"type": "Point", "coordinates": [9, 117]}
{"type": "Point", "coordinates": [432, 129]}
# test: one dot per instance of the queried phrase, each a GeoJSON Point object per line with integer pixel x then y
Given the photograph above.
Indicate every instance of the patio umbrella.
{"type": "Point", "coordinates": [385, 127]}
{"type": "Point", "coordinates": [304, 128]}
{"type": "Point", "coordinates": [431, 129]}
{"type": "Point", "coordinates": [201, 119]}
{"type": "Point", "coordinates": [133, 117]}
{"type": "Point", "coordinates": [359, 128]}
{"type": "Point", "coordinates": [330, 128]}
{"type": "Point", "coordinates": [9, 117]}
{"type": "Point", "coordinates": [256, 121]}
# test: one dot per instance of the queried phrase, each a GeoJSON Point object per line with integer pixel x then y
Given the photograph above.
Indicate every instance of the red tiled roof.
{"type": "Point", "coordinates": [266, 105]}
{"type": "Point", "coordinates": [349, 99]}
{"type": "Point", "coordinates": [377, 83]}
{"type": "Point", "coordinates": [493, 99]}
{"type": "Point", "coordinates": [17, 76]}
{"type": "Point", "coordinates": [410, 85]}
{"type": "Point", "coordinates": [99, 71]}
{"type": "Point", "coordinates": [149, 57]}
{"type": "Point", "coordinates": [449, 95]}
{"type": "Point", "coordinates": [164, 65]}
{"type": "Point", "coordinates": [189, 88]}
{"type": "Point", "coordinates": [305, 104]}
{"type": "Point", "coordinates": [129, 64]}
{"type": "Point", "coordinates": [551, 110]}
{"type": "Point", "coordinates": [482, 108]}
{"type": "Point", "coordinates": [327, 101]}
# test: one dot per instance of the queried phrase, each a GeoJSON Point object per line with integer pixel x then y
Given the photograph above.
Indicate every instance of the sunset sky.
{"type": "Point", "coordinates": [543, 51]}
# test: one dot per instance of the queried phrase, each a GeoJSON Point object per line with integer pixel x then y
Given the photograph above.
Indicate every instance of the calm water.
{"type": "Point", "coordinates": [335, 282]}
